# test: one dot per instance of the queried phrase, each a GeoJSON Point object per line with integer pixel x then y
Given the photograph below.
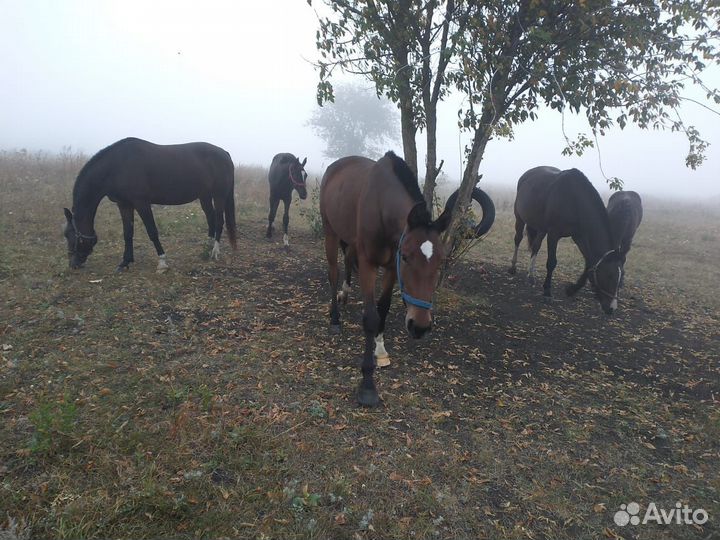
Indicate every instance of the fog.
{"type": "Point", "coordinates": [240, 75]}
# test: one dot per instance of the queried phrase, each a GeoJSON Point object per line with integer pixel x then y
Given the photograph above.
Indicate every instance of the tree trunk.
{"type": "Point", "coordinates": [408, 134]}
{"type": "Point", "coordinates": [431, 171]}
{"type": "Point", "coordinates": [452, 237]}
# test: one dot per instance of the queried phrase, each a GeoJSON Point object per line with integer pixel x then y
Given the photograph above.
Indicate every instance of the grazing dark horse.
{"type": "Point", "coordinates": [625, 212]}
{"type": "Point", "coordinates": [560, 204]}
{"type": "Point", "coordinates": [286, 173]}
{"type": "Point", "coordinates": [136, 174]}
{"type": "Point", "coordinates": [376, 212]}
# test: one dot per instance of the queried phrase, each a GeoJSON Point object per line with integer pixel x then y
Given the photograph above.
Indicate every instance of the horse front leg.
{"type": "Point", "coordinates": [552, 242]}
{"type": "Point", "coordinates": [146, 215]}
{"type": "Point", "coordinates": [367, 393]}
{"type": "Point", "coordinates": [573, 288]}
{"type": "Point", "coordinates": [127, 213]}
{"type": "Point", "coordinates": [382, 358]}
{"type": "Point", "coordinates": [286, 221]}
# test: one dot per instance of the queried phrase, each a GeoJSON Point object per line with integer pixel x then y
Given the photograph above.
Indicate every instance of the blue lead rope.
{"type": "Point", "coordinates": [405, 296]}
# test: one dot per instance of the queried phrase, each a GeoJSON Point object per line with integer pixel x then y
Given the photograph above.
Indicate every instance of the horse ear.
{"type": "Point", "coordinates": [304, 161]}
{"type": "Point", "coordinates": [418, 216]}
{"type": "Point", "coordinates": [442, 222]}
{"type": "Point", "coordinates": [68, 215]}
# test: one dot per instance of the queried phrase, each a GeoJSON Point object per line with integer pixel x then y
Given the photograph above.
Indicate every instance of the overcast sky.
{"type": "Point", "coordinates": [238, 74]}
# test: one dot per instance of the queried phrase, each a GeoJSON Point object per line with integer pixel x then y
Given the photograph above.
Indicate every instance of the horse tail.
{"type": "Point", "coordinates": [230, 213]}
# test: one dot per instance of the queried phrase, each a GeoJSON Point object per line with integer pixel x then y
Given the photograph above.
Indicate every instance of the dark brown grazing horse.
{"type": "Point", "coordinates": [286, 173]}
{"type": "Point", "coordinates": [625, 212]}
{"type": "Point", "coordinates": [136, 174]}
{"type": "Point", "coordinates": [560, 204]}
{"type": "Point", "coordinates": [376, 212]}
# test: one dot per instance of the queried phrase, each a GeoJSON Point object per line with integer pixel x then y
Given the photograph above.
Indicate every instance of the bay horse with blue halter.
{"type": "Point", "coordinates": [287, 173]}
{"type": "Point", "coordinates": [625, 212]}
{"type": "Point", "coordinates": [136, 174]}
{"type": "Point", "coordinates": [560, 204]}
{"type": "Point", "coordinates": [375, 211]}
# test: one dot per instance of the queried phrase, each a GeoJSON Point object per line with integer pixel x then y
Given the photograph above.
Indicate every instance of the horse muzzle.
{"type": "Point", "coordinates": [416, 331]}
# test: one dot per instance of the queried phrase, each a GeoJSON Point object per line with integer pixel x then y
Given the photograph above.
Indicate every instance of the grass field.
{"type": "Point", "coordinates": [212, 402]}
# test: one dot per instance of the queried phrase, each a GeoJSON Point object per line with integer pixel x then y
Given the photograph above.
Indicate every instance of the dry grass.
{"type": "Point", "coordinates": [210, 401]}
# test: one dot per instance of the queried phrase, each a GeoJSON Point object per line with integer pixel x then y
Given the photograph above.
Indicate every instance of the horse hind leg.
{"type": "Point", "coordinates": [146, 215]}
{"type": "Point", "coordinates": [348, 255]}
{"type": "Point", "coordinates": [519, 228]}
{"type": "Point", "coordinates": [206, 204]}
{"type": "Point", "coordinates": [331, 253]}
{"type": "Point", "coordinates": [274, 202]}
{"type": "Point", "coordinates": [218, 204]}
{"type": "Point", "coordinates": [535, 240]}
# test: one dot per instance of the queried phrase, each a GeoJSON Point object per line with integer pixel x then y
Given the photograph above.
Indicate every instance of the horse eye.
{"type": "Point", "coordinates": [404, 258]}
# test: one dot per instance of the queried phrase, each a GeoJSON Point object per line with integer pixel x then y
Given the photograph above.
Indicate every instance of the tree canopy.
{"type": "Point", "coordinates": [617, 62]}
{"type": "Point", "coordinates": [357, 122]}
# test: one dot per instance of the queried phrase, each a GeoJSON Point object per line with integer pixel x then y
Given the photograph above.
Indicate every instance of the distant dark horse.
{"type": "Point", "coordinates": [375, 210]}
{"type": "Point", "coordinates": [625, 212]}
{"type": "Point", "coordinates": [136, 174]}
{"type": "Point", "coordinates": [560, 204]}
{"type": "Point", "coordinates": [286, 173]}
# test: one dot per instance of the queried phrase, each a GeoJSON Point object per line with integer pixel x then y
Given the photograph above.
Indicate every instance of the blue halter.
{"type": "Point", "coordinates": [405, 296]}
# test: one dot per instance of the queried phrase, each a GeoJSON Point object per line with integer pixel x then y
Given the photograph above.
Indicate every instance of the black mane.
{"type": "Point", "coordinates": [90, 163]}
{"type": "Point", "coordinates": [593, 196]}
{"type": "Point", "coordinates": [407, 178]}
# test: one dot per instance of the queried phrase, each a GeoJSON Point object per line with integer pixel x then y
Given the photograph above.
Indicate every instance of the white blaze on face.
{"type": "Point", "coordinates": [427, 249]}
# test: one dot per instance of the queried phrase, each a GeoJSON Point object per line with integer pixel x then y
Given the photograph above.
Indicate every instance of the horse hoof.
{"type": "Point", "coordinates": [382, 361]}
{"type": "Point", "coordinates": [512, 270]}
{"type": "Point", "coordinates": [531, 280]}
{"type": "Point", "coordinates": [122, 268]}
{"type": "Point", "coordinates": [368, 397]}
{"type": "Point", "coordinates": [547, 299]}
{"type": "Point", "coordinates": [334, 329]}
{"type": "Point", "coordinates": [161, 270]}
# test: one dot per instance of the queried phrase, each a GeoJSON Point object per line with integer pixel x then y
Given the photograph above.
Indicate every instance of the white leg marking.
{"type": "Point", "coordinates": [215, 253]}
{"type": "Point", "coordinates": [286, 239]}
{"type": "Point", "coordinates": [531, 269]}
{"type": "Point", "coordinates": [613, 304]}
{"type": "Point", "coordinates": [382, 357]}
{"type": "Point", "coordinates": [344, 292]}
{"type": "Point", "coordinates": [162, 264]}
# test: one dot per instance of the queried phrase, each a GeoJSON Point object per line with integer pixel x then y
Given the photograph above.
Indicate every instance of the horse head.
{"type": "Point", "coordinates": [298, 176]}
{"type": "Point", "coordinates": [605, 276]}
{"type": "Point", "coordinates": [419, 257]}
{"type": "Point", "coordinates": [79, 245]}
